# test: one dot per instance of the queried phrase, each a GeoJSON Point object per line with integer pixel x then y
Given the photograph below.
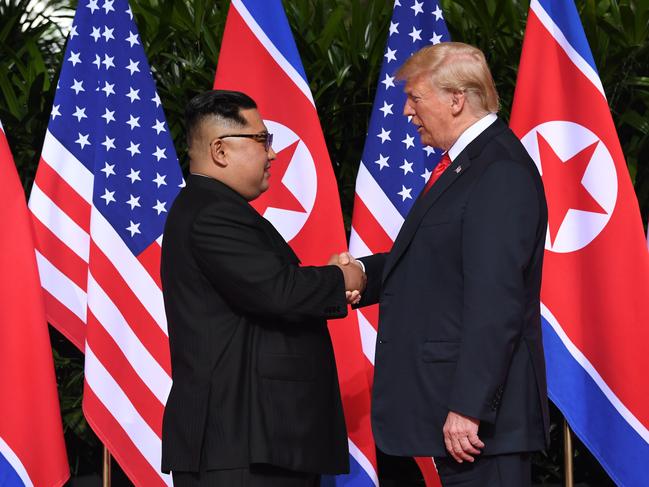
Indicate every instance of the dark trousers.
{"type": "Point", "coordinates": [513, 470]}
{"type": "Point", "coordinates": [255, 476]}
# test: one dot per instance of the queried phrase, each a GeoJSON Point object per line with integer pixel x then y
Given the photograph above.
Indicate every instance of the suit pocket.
{"type": "Point", "coordinates": [286, 367]}
{"type": "Point", "coordinates": [440, 351]}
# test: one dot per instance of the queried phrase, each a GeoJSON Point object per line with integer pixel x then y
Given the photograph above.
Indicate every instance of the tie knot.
{"type": "Point", "coordinates": [445, 160]}
{"type": "Point", "coordinates": [443, 163]}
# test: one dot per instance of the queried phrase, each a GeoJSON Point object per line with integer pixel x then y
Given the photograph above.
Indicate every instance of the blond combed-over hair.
{"type": "Point", "coordinates": [455, 66]}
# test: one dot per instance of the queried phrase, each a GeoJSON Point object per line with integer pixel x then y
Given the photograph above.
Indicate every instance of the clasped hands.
{"type": "Point", "coordinates": [355, 278]}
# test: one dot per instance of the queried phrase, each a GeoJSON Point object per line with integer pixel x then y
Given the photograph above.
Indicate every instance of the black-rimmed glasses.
{"type": "Point", "coordinates": [262, 137]}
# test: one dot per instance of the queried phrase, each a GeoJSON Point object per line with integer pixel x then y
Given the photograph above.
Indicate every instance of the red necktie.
{"type": "Point", "coordinates": [443, 163]}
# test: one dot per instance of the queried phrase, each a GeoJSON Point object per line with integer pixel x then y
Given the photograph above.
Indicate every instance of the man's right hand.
{"type": "Point", "coordinates": [353, 274]}
{"type": "Point", "coordinates": [354, 277]}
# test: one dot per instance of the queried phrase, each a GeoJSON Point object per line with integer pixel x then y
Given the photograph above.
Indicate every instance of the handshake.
{"type": "Point", "coordinates": [355, 278]}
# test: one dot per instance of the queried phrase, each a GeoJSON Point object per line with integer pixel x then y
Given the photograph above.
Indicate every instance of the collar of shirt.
{"type": "Point", "coordinates": [470, 134]}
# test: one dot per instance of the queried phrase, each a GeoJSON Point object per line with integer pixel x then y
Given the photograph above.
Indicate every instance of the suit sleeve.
{"type": "Point", "coordinates": [499, 233]}
{"type": "Point", "coordinates": [374, 271]}
{"type": "Point", "coordinates": [251, 273]}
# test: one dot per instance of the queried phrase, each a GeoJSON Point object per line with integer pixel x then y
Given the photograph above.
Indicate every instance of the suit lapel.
{"type": "Point", "coordinates": [424, 202]}
{"type": "Point", "coordinates": [226, 192]}
{"type": "Point", "coordinates": [460, 165]}
{"type": "Point", "coordinates": [277, 238]}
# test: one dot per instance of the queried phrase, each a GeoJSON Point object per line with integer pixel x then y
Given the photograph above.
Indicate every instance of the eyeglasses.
{"type": "Point", "coordinates": [262, 137]}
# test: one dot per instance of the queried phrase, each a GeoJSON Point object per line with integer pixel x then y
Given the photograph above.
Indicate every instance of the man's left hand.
{"type": "Point", "coordinates": [461, 437]}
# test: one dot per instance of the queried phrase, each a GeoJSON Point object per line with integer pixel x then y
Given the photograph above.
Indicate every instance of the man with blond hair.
{"type": "Point", "coordinates": [460, 373]}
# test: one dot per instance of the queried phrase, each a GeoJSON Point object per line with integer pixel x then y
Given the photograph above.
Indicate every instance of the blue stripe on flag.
{"type": "Point", "coordinates": [592, 417]}
{"type": "Point", "coordinates": [565, 15]}
{"type": "Point", "coordinates": [8, 476]}
{"type": "Point", "coordinates": [357, 477]}
{"type": "Point", "coordinates": [269, 14]}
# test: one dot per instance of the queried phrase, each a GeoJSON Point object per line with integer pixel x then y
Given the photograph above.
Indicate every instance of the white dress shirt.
{"type": "Point", "coordinates": [470, 134]}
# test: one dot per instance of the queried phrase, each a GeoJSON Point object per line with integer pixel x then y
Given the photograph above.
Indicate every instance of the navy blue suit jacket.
{"type": "Point", "coordinates": [459, 321]}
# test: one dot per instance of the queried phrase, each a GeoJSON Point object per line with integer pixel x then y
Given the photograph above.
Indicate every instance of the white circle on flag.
{"type": "Point", "coordinates": [300, 178]}
{"type": "Point", "coordinates": [579, 228]}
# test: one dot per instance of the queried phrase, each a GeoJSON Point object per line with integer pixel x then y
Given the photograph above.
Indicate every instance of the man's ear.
{"type": "Point", "coordinates": [217, 153]}
{"type": "Point", "coordinates": [458, 99]}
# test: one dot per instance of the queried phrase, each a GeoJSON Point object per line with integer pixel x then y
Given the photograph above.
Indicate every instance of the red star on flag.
{"type": "Point", "coordinates": [562, 180]}
{"type": "Point", "coordinates": [278, 195]}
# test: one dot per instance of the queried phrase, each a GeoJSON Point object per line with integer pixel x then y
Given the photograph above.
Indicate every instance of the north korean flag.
{"type": "Point", "coordinates": [259, 57]}
{"type": "Point", "coordinates": [596, 268]}
{"type": "Point", "coordinates": [32, 448]}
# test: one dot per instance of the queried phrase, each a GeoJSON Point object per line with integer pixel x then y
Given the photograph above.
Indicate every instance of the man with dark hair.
{"type": "Point", "coordinates": [255, 398]}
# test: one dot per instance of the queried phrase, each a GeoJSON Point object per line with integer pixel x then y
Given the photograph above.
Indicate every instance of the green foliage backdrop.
{"type": "Point", "coordinates": [341, 43]}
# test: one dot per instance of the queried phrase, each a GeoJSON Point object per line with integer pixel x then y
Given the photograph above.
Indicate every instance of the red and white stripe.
{"type": "Point", "coordinates": [108, 302]}
{"type": "Point", "coordinates": [375, 226]}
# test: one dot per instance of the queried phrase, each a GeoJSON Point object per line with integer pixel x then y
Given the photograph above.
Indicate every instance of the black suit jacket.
{"type": "Point", "coordinates": [459, 321]}
{"type": "Point", "coordinates": [254, 378]}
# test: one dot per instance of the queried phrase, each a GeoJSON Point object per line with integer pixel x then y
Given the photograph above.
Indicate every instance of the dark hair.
{"type": "Point", "coordinates": [225, 105]}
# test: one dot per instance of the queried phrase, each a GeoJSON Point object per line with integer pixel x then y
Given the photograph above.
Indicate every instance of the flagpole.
{"type": "Point", "coordinates": [567, 455]}
{"type": "Point", "coordinates": [106, 468]}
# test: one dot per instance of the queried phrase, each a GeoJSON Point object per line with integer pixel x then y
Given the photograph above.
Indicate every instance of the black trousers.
{"type": "Point", "coordinates": [255, 476]}
{"type": "Point", "coordinates": [513, 470]}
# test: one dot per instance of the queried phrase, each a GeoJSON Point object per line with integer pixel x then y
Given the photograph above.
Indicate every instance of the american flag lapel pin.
{"type": "Point", "coordinates": [458, 169]}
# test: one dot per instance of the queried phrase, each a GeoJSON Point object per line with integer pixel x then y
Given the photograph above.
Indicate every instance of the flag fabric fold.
{"type": "Point", "coordinates": [596, 268]}
{"type": "Point", "coordinates": [107, 176]}
{"type": "Point", "coordinates": [259, 57]}
{"type": "Point", "coordinates": [32, 448]}
{"type": "Point", "coordinates": [395, 166]}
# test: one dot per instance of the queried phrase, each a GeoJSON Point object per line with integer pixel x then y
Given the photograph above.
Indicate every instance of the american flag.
{"type": "Point", "coordinates": [107, 176]}
{"type": "Point", "coordinates": [395, 166]}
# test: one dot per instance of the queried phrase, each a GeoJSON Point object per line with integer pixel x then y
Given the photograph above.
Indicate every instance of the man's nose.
{"type": "Point", "coordinates": [271, 154]}
{"type": "Point", "coordinates": [407, 109]}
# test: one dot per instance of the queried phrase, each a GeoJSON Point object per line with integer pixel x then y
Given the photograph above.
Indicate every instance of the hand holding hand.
{"type": "Point", "coordinates": [355, 278]}
{"type": "Point", "coordinates": [344, 258]}
{"type": "Point", "coordinates": [353, 297]}
{"type": "Point", "coordinates": [461, 437]}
